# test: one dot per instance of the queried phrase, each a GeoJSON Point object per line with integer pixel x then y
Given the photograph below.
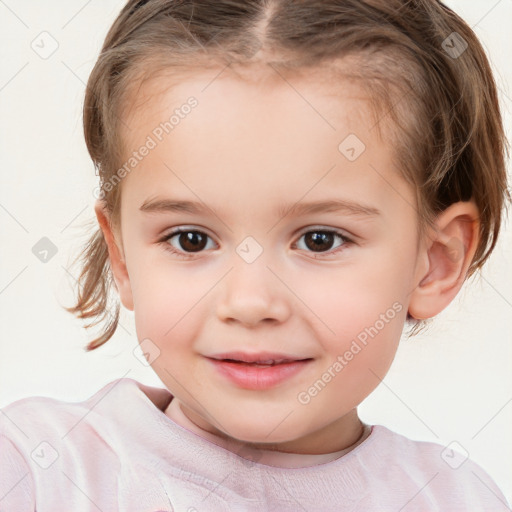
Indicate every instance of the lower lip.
{"type": "Point", "coordinates": [254, 377]}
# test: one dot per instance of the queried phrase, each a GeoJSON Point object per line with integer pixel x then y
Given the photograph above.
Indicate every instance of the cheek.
{"type": "Point", "coordinates": [166, 303]}
{"type": "Point", "coordinates": [343, 302]}
{"type": "Point", "coordinates": [361, 352]}
{"type": "Point", "coordinates": [359, 313]}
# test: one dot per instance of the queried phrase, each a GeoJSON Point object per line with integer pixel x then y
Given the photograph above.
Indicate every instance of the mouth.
{"type": "Point", "coordinates": [258, 372]}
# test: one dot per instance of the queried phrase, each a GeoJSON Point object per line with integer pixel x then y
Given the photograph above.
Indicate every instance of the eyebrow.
{"type": "Point", "coordinates": [165, 205]}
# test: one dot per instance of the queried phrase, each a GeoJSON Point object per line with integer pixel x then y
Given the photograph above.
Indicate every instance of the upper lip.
{"type": "Point", "coordinates": [258, 357]}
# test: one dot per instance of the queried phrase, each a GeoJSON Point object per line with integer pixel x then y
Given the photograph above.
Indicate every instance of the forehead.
{"type": "Point", "coordinates": [270, 136]}
{"type": "Point", "coordinates": [152, 94]}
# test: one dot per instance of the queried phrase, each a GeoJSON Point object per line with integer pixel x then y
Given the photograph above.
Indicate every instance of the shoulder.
{"type": "Point", "coordinates": [46, 443]}
{"type": "Point", "coordinates": [43, 414]}
{"type": "Point", "coordinates": [41, 425]}
{"type": "Point", "coordinates": [440, 475]}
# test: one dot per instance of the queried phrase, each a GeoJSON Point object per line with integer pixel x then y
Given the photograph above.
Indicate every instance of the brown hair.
{"type": "Point", "coordinates": [436, 98]}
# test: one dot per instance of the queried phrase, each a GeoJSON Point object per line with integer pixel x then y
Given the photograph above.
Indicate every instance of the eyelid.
{"type": "Point", "coordinates": [185, 228]}
{"type": "Point", "coordinates": [342, 232]}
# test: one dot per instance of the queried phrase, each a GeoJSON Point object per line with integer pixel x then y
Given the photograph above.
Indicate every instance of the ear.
{"type": "Point", "coordinates": [116, 256]}
{"type": "Point", "coordinates": [449, 251]}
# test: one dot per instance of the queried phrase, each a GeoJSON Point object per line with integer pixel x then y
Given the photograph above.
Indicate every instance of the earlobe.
{"type": "Point", "coordinates": [116, 256]}
{"type": "Point", "coordinates": [450, 250]}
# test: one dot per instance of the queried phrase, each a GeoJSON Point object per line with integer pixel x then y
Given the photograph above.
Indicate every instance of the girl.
{"type": "Point", "coordinates": [283, 186]}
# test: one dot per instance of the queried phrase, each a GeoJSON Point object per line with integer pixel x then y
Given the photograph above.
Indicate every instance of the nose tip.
{"type": "Point", "coordinates": [249, 313]}
{"type": "Point", "coordinates": [251, 299]}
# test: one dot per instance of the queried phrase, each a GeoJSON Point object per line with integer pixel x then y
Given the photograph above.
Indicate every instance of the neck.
{"type": "Point", "coordinates": [342, 435]}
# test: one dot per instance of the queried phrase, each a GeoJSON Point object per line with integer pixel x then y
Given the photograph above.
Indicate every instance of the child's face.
{"type": "Point", "coordinates": [248, 153]}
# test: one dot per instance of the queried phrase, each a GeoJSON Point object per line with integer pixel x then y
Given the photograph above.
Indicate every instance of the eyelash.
{"type": "Point", "coordinates": [164, 241]}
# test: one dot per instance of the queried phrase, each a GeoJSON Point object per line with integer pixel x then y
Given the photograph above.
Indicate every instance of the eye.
{"type": "Point", "coordinates": [321, 240]}
{"type": "Point", "coordinates": [190, 240]}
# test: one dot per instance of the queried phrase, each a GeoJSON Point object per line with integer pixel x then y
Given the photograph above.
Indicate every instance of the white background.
{"type": "Point", "coordinates": [453, 382]}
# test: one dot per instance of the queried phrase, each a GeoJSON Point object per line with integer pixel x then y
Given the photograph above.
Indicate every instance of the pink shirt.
{"type": "Point", "coordinates": [119, 451]}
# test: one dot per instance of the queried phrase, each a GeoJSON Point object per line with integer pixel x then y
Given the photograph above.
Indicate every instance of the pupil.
{"type": "Point", "coordinates": [189, 240]}
{"type": "Point", "coordinates": [320, 239]}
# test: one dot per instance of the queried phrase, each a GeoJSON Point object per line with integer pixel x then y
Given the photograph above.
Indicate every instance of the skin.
{"type": "Point", "coordinates": [249, 147]}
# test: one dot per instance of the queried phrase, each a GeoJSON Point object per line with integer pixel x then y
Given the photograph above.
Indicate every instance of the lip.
{"type": "Point", "coordinates": [250, 376]}
{"type": "Point", "coordinates": [257, 357]}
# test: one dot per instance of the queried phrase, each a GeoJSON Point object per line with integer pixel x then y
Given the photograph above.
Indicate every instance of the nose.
{"type": "Point", "coordinates": [252, 294]}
